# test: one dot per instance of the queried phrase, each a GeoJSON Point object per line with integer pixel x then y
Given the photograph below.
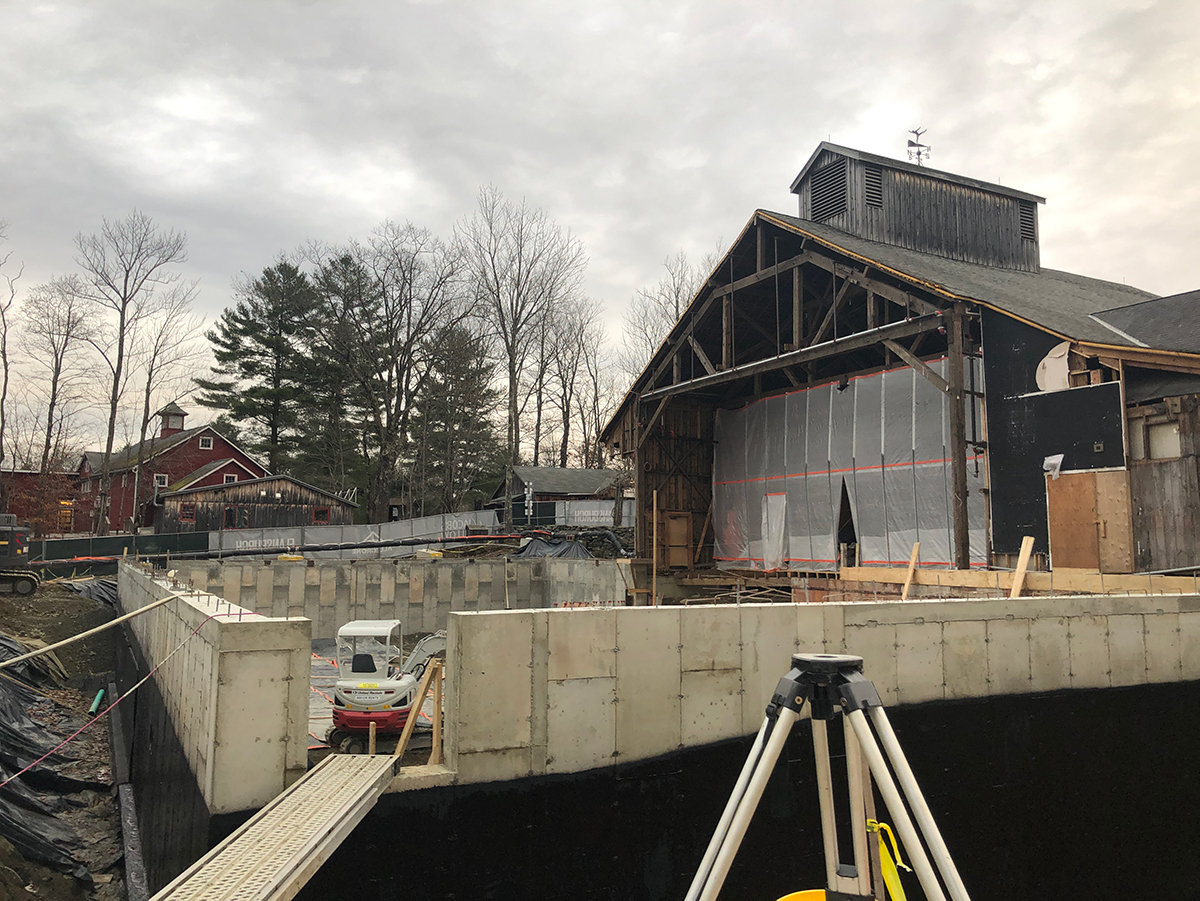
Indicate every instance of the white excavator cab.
{"type": "Point", "coordinates": [370, 648]}
{"type": "Point", "coordinates": [375, 683]}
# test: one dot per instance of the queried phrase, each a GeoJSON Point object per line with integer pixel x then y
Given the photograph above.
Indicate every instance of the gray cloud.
{"type": "Point", "coordinates": [645, 127]}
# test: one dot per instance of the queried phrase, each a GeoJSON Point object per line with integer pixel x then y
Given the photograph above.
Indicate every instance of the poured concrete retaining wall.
{"type": "Point", "coordinates": [236, 689]}
{"type": "Point", "coordinates": [563, 691]}
{"type": "Point", "coordinates": [420, 593]}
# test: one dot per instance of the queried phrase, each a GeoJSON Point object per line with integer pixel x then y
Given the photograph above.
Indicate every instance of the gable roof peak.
{"type": "Point", "coordinates": [901, 165]}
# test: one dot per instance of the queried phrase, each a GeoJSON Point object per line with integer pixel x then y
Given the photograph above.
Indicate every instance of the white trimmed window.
{"type": "Point", "coordinates": [230, 478]}
{"type": "Point", "coordinates": [160, 480]}
{"type": "Point", "coordinates": [206, 442]}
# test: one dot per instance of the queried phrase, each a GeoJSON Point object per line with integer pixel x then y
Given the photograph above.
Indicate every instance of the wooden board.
{"type": "Point", "coordinates": [1071, 507]}
{"type": "Point", "coordinates": [1115, 522]}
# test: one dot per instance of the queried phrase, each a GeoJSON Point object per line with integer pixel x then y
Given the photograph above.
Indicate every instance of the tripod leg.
{"type": "Point", "coordinates": [912, 791]}
{"type": "Point", "coordinates": [735, 798]}
{"type": "Point", "coordinates": [895, 806]}
{"type": "Point", "coordinates": [741, 819]}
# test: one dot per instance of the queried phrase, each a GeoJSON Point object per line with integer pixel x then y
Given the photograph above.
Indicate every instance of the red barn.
{"type": "Point", "coordinates": [177, 458]}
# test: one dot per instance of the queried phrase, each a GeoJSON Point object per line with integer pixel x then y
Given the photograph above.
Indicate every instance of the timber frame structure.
{"type": "Point", "coordinates": [797, 303]}
{"type": "Point", "coordinates": [782, 310]}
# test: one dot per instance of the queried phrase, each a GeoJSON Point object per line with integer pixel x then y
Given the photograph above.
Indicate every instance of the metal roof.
{"type": "Point", "coordinates": [1061, 302]}
{"type": "Point", "coordinates": [890, 163]}
{"type": "Point", "coordinates": [1165, 323]}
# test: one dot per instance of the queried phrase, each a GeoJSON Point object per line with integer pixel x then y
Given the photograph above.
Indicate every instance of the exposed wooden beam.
{"type": "Point", "coordinates": [678, 343]}
{"type": "Point", "coordinates": [958, 436]}
{"type": "Point", "coordinates": [916, 363]}
{"type": "Point", "coordinates": [754, 323]}
{"type": "Point", "coordinates": [701, 355]}
{"type": "Point", "coordinates": [765, 274]}
{"type": "Point", "coordinates": [791, 377]}
{"type": "Point", "coordinates": [727, 331]}
{"type": "Point", "coordinates": [797, 306]}
{"type": "Point", "coordinates": [896, 330]}
{"type": "Point", "coordinates": [648, 427]}
{"type": "Point", "coordinates": [827, 322]}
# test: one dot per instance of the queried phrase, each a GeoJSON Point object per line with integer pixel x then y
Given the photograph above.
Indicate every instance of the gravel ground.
{"type": "Point", "coordinates": [51, 614]}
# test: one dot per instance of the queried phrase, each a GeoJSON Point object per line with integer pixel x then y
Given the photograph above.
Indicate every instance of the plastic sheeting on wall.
{"type": "Point", "coordinates": [781, 466]}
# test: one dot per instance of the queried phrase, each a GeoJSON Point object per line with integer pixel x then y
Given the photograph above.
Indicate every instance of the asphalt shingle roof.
{"type": "Point", "coordinates": [1165, 323]}
{"type": "Point", "coordinates": [1059, 301]}
{"type": "Point", "coordinates": [552, 480]}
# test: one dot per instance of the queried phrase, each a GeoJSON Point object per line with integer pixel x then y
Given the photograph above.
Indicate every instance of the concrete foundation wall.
{"type": "Point", "coordinates": [235, 684]}
{"type": "Point", "coordinates": [420, 593]}
{"type": "Point", "coordinates": [552, 691]}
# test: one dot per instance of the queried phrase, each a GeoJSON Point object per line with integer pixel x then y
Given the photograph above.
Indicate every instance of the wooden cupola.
{"type": "Point", "coordinates": [922, 209]}
{"type": "Point", "coordinates": [172, 416]}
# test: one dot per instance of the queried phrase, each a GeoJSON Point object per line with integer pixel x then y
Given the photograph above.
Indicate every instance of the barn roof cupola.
{"type": "Point", "coordinates": [172, 416]}
{"type": "Point", "coordinates": [919, 208]}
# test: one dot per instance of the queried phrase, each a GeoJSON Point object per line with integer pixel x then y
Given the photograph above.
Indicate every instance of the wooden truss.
{"type": "Point", "coordinates": [783, 311]}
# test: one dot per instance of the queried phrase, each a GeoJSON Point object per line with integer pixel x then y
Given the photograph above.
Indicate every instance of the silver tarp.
{"type": "Point", "coordinates": [781, 466]}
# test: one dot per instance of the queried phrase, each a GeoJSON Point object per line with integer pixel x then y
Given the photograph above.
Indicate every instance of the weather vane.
{"type": "Point", "coordinates": [916, 150]}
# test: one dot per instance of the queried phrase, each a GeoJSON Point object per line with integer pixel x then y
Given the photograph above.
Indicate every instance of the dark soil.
{"type": "Point", "coordinates": [51, 614]}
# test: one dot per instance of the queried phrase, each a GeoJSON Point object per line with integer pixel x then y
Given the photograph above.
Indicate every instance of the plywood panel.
{"type": "Point", "coordinates": [1115, 522]}
{"type": "Point", "coordinates": [1071, 503]}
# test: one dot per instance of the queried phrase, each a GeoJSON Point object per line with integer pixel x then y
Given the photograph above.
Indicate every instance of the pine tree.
{"type": "Point", "coordinates": [455, 455]}
{"type": "Point", "coordinates": [262, 367]}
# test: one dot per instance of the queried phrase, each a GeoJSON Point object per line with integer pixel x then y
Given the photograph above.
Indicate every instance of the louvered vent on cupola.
{"type": "Point", "coordinates": [873, 184]}
{"type": "Point", "coordinates": [1028, 221]}
{"type": "Point", "coordinates": [829, 190]}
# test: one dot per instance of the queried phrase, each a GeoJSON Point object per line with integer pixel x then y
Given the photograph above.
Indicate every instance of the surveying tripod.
{"type": "Point", "coordinates": [834, 685]}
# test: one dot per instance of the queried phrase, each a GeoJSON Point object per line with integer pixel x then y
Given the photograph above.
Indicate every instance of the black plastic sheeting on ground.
{"type": "Point", "coordinates": [102, 590]}
{"type": "Point", "coordinates": [33, 671]}
{"type": "Point", "coordinates": [539, 548]}
{"type": "Point", "coordinates": [26, 819]}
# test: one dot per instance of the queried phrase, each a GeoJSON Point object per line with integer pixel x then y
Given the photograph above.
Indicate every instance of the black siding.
{"type": "Point", "coordinates": [1024, 430]}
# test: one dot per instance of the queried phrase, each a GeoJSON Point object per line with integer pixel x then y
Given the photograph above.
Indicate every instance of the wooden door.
{"type": "Point", "coordinates": [1091, 526]}
{"type": "Point", "coordinates": [1114, 521]}
{"type": "Point", "coordinates": [1071, 508]}
{"type": "Point", "coordinates": [677, 539]}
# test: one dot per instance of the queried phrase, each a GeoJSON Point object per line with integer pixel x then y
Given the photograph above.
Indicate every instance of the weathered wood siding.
{"type": "Point", "coordinates": [1166, 499]}
{"type": "Point", "coordinates": [294, 506]}
{"type": "Point", "coordinates": [931, 215]}
{"type": "Point", "coordinates": [676, 460]}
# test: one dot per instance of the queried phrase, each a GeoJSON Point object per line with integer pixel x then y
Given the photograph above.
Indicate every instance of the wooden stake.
{"type": "Point", "coordinates": [654, 555]}
{"type": "Point", "coordinates": [371, 739]}
{"type": "Point", "coordinates": [414, 712]}
{"type": "Point", "coordinates": [435, 755]}
{"type": "Point", "coordinates": [1018, 584]}
{"type": "Point", "coordinates": [912, 568]}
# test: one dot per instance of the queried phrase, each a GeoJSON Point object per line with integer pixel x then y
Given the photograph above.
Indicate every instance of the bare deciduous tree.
{"type": "Point", "coordinates": [522, 263]}
{"type": "Point", "coordinates": [123, 266]}
{"type": "Point", "coordinates": [56, 325]}
{"type": "Point", "coordinates": [653, 311]}
{"type": "Point", "coordinates": [166, 351]}
{"type": "Point", "coordinates": [7, 297]}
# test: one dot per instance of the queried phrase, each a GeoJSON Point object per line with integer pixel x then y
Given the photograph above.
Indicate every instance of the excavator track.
{"type": "Point", "coordinates": [22, 581]}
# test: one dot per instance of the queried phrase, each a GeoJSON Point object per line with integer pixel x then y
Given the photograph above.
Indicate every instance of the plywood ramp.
{"type": "Point", "coordinates": [277, 851]}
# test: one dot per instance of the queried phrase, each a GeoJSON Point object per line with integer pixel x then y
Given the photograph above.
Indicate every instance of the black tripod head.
{"type": "Point", "coordinates": [829, 682]}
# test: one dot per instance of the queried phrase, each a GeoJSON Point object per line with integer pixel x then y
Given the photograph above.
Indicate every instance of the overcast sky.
{"type": "Point", "coordinates": [645, 127]}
